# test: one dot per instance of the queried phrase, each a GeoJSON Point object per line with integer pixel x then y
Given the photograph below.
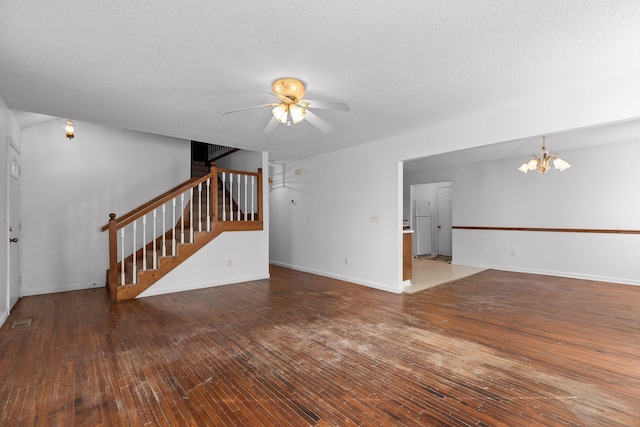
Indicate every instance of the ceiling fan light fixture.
{"type": "Point", "coordinates": [292, 109]}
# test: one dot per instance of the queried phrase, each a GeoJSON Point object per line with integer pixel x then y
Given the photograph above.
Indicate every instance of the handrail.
{"type": "Point", "coordinates": [240, 172]}
{"type": "Point", "coordinates": [142, 210]}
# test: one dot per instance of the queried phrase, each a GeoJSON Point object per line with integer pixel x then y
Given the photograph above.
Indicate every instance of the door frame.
{"type": "Point", "coordinates": [428, 191]}
{"type": "Point", "coordinates": [439, 221]}
{"type": "Point", "coordinates": [13, 209]}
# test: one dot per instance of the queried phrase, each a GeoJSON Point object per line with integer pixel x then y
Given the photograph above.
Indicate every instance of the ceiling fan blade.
{"type": "Point", "coordinates": [327, 105]}
{"type": "Point", "coordinates": [250, 108]}
{"type": "Point", "coordinates": [318, 122]}
{"type": "Point", "coordinates": [282, 98]}
{"type": "Point", "coordinates": [271, 126]}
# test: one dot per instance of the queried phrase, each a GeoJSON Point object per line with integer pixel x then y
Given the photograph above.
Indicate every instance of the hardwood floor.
{"type": "Point", "coordinates": [493, 349]}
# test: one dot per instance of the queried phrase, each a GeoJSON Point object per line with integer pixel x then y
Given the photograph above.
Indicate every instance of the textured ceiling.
{"type": "Point", "coordinates": [172, 68]}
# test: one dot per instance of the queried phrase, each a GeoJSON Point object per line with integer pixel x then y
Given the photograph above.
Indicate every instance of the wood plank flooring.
{"type": "Point", "coordinates": [493, 349]}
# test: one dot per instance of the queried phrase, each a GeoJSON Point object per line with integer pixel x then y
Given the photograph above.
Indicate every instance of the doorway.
{"type": "Point", "coordinates": [14, 223]}
{"type": "Point", "coordinates": [436, 200]}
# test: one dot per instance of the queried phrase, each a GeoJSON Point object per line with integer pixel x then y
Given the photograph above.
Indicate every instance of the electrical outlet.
{"type": "Point", "coordinates": [346, 260]}
{"type": "Point", "coordinates": [229, 263]}
{"type": "Point", "coordinates": [514, 252]}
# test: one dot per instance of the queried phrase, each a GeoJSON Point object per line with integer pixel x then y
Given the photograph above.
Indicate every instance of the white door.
{"type": "Point", "coordinates": [14, 226]}
{"type": "Point", "coordinates": [444, 221]}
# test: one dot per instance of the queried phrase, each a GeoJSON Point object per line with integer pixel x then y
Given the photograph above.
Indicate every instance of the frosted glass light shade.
{"type": "Point", "coordinates": [297, 113]}
{"type": "Point", "coordinates": [280, 113]}
{"type": "Point", "coordinates": [561, 165]}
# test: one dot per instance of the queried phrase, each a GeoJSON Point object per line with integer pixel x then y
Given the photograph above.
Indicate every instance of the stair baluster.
{"type": "Point", "coordinates": [123, 252]}
{"type": "Point", "coordinates": [144, 240]}
{"type": "Point", "coordinates": [155, 252]}
{"type": "Point", "coordinates": [135, 273]}
{"type": "Point", "coordinates": [224, 208]}
{"type": "Point", "coordinates": [238, 197]}
{"type": "Point", "coordinates": [182, 219]}
{"type": "Point", "coordinates": [173, 230]}
{"type": "Point", "coordinates": [253, 200]}
{"type": "Point", "coordinates": [164, 227]}
{"type": "Point", "coordinates": [230, 196]}
{"type": "Point", "coordinates": [200, 207]}
{"type": "Point", "coordinates": [246, 216]}
{"type": "Point", "coordinates": [209, 204]}
{"type": "Point", "coordinates": [191, 218]}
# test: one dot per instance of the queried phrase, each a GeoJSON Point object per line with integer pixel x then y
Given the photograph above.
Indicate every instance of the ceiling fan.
{"type": "Point", "coordinates": [291, 108]}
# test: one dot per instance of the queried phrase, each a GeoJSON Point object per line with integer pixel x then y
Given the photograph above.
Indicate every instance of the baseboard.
{"type": "Point", "coordinates": [374, 285]}
{"type": "Point", "coordinates": [27, 292]}
{"type": "Point", "coordinates": [151, 292]}
{"type": "Point", "coordinates": [569, 275]}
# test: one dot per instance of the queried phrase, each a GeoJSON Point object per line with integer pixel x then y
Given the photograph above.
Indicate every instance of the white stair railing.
{"type": "Point", "coordinates": [239, 196]}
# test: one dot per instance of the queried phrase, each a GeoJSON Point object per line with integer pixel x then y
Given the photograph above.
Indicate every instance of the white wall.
{"type": "Point", "coordinates": [592, 194]}
{"type": "Point", "coordinates": [320, 214]}
{"type": "Point", "coordinates": [242, 160]}
{"type": "Point", "coordinates": [232, 257]}
{"type": "Point", "coordinates": [335, 196]}
{"type": "Point", "coordinates": [8, 128]}
{"type": "Point", "coordinates": [70, 187]}
{"type": "Point", "coordinates": [340, 190]}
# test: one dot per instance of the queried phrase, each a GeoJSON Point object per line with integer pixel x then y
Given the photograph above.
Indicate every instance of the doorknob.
{"type": "Point", "coordinates": [14, 240]}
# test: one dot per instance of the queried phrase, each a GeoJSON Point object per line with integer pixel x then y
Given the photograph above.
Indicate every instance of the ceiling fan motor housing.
{"type": "Point", "coordinates": [291, 88]}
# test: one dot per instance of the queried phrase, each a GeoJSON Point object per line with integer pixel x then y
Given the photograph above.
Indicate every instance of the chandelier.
{"type": "Point", "coordinates": [543, 164]}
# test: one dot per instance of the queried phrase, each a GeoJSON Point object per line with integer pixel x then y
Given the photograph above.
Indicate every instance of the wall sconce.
{"type": "Point", "coordinates": [69, 129]}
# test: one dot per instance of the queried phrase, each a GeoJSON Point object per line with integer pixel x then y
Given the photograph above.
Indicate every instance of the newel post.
{"type": "Point", "coordinates": [113, 256]}
{"type": "Point", "coordinates": [213, 170]}
{"type": "Point", "coordinates": [260, 215]}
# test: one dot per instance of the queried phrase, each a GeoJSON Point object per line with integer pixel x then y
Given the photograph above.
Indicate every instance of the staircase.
{"type": "Point", "coordinates": [196, 212]}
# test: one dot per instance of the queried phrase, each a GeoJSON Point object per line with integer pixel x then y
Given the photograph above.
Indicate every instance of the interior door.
{"type": "Point", "coordinates": [444, 221]}
{"type": "Point", "coordinates": [14, 226]}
